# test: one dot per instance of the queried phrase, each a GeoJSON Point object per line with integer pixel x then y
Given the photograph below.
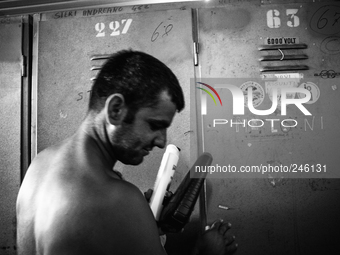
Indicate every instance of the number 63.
{"type": "Point", "coordinates": [274, 20]}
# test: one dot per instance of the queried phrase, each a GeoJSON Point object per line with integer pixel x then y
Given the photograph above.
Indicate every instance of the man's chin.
{"type": "Point", "coordinates": [134, 161]}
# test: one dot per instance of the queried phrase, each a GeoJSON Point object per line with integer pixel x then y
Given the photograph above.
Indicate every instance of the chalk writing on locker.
{"type": "Point", "coordinates": [326, 20]}
{"type": "Point", "coordinates": [161, 30]}
{"type": "Point", "coordinates": [81, 95]}
{"type": "Point", "coordinates": [115, 28]}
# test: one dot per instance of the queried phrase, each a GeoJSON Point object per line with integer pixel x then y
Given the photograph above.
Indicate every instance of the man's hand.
{"type": "Point", "coordinates": [167, 196]}
{"type": "Point", "coordinates": [148, 195]}
{"type": "Point", "coordinates": [216, 240]}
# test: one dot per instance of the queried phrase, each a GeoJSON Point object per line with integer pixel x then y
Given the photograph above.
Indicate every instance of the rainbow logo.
{"type": "Point", "coordinates": [209, 92]}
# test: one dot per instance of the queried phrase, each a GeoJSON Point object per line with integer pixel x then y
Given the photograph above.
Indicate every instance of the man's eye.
{"type": "Point", "coordinates": [154, 126]}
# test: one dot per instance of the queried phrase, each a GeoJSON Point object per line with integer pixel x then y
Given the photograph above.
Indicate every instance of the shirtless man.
{"type": "Point", "coordinates": [72, 202]}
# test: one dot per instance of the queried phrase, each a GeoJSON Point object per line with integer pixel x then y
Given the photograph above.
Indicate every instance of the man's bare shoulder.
{"type": "Point", "coordinates": [80, 209]}
{"type": "Point", "coordinates": [124, 200]}
{"type": "Point", "coordinates": [116, 220]}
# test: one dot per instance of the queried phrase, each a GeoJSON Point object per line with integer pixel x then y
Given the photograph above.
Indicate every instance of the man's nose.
{"type": "Point", "coordinates": [160, 140]}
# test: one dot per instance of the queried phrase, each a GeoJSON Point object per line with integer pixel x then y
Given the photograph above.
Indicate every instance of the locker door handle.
{"type": "Point", "coordinates": [283, 47]}
{"type": "Point", "coordinates": [285, 57]}
{"type": "Point", "coordinates": [284, 68]}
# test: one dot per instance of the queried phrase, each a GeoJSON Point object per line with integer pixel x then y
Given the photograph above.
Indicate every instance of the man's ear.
{"type": "Point", "coordinates": [115, 109]}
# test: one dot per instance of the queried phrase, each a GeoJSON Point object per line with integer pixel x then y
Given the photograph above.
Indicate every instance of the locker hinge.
{"type": "Point", "coordinates": [196, 53]}
{"type": "Point", "coordinates": [23, 66]}
{"type": "Point", "coordinates": [194, 16]}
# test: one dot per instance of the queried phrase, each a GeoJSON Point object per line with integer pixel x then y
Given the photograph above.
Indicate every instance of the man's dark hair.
{"type": "Point", "coordinates": [139, 77]}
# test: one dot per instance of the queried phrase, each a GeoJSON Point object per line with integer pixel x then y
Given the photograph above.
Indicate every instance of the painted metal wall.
{"type": "Point", "coordinates": [10, 106]}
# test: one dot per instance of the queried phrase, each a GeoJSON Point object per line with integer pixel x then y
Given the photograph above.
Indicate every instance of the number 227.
{"type": "Point", "coordinates": [114, 27]}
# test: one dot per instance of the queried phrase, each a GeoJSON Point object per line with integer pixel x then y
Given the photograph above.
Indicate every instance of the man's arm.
{"type": "Point", "coordinates": [126, 224]}
{"type": "Point", "coordinates": [215, 240]}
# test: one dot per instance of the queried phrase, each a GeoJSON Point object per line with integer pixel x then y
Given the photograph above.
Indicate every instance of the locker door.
{"type": "Point", "coordinates": [67, 41]}
{"type": "Point", "coordinates": [10, 106]}
{"type": "Point", "coordinates": [246, 45]}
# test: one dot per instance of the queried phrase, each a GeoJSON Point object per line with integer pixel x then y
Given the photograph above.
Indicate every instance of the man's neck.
{"type": "Point", "coordinates": [94, 134]}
